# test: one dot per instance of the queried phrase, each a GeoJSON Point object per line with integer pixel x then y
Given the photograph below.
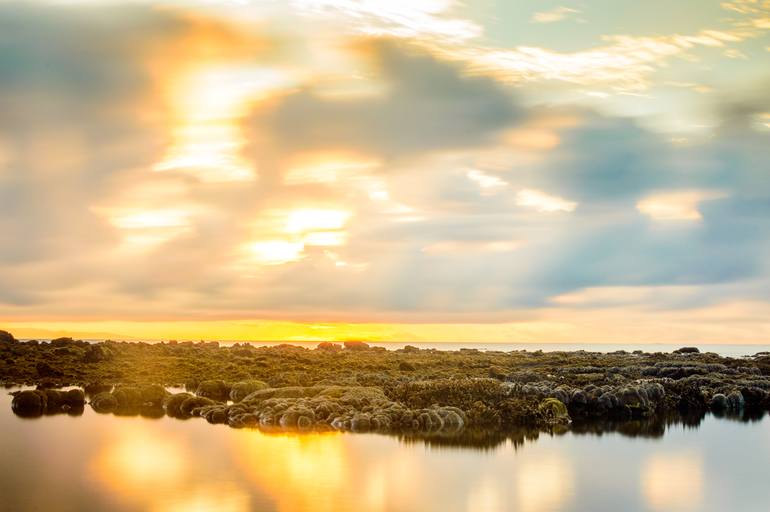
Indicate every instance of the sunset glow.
{"type": "Point", "coordinates": [434, 170]}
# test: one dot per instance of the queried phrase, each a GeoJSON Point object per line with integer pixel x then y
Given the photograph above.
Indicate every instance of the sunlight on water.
{"type": "Point", "coordinates": [105, 462]}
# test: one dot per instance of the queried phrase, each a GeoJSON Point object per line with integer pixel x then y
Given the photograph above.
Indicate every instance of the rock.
{"type": "Point", "coordinates": [406, 366]}
{"type": "Point", "coordinates": [128, 397]}
{"type": "Point", "coordinates": [495, 372]}
{"type": "Point", "coordinates": [104, 402]}
{"type": "Point", "coordinates": [329, 347]}
{"type": "Point", "coordinates": [356, 345]}
{"type": "Point", "coordinates": [214, 390]}
{"type": "Point", "coordinates": [241, 390]}
{"type": "Point", "coordinates": [29, 403]}
{"type": "Point", "coordinates": [6, 337]}
{"type": "Point", "coordinates": [719, 402]}
{"type": "Point", "coordinates": [153, 395]}
{"type": "Point", "coordinates": [46, 370]}
{"type": "Point", "coordinates": [96, 354]}
{"type": "Point", "coordinates": [735, 401]}
{"type": "Point", "coordinates": [554, 412]}
{"type": "Point", "coordinates": [687, 350]}
{"type": "Point", "coordinates": [173, 404]}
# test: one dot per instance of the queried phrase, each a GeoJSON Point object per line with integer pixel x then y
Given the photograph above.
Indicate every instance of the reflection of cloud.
{"type": "Point", "coordinates": [673, 482]}
{"type": "Point", "coordinates": [485, 496]}
{"type": "Point", "coordinates": [544, 483]}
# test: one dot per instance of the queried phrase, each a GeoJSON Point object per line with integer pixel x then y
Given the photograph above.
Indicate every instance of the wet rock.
{"type": "Point", "coordinates": [191, 406]}
{"type": "Point", "coordinates": [687, 350]}
{"type": "Point", "coordinates": [214, 390]}
{"type": "Point", "coordinates": [735, 401]}
{"type": "Point", "coordinates": [554, 412]}
{"type": "Point", "coordinates": [241, 390]}
{"type": "Point", "coordinates": [104, 402]}
{"type": "Point", "coordinates": [173, 404]}
{"type": "Point", "coordinates": [719, 402]}
{"type": "Point", "coordinates": [29, 403]}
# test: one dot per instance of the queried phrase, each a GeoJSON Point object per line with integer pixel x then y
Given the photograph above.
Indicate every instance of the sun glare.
{"type": "Point", "coordinates": [209, 105]}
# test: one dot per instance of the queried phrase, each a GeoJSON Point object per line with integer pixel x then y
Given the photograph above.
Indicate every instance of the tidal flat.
{"type": "Point", "coordinates": [463, 394]}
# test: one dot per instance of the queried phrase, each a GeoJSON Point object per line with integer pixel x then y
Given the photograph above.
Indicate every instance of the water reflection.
{"type": "Point", "coordinates": [100, 461]}
{"type": "Point", "coordinates": [673, 481]}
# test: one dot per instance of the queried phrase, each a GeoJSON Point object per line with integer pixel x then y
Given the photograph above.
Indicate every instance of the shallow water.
{"type": "Point", "coordinates": [104, 462]}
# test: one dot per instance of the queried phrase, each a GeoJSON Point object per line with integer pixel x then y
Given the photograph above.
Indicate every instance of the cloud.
{"type": "Point", "coordinates": [427, 105]}
{"type": "Point", "coordinates": [554, 15]}
{"type": "Point", "coordinates": [437, 194]}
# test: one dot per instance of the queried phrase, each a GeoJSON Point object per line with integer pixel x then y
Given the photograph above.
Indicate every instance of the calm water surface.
{"type": "Point", "coordinates": [104, 462]}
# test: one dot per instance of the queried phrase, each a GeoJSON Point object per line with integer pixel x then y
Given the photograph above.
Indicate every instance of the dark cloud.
{"type": "Point", "coordinates": [427, 105]}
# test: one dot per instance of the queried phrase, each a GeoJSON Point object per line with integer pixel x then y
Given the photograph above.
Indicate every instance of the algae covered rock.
{"type": "Point", "coordinates": [104, 402]}
{"type": "Point", "coordinates": [97, 354]}
{"type": "Point", "coordinates": [241, 390]}
{"type": "Point", "coordinates": [214, 390]}
{"type": "Point", "coordinates": [554, 412]}
{"type": "Point", "coordinates": [173, 404]}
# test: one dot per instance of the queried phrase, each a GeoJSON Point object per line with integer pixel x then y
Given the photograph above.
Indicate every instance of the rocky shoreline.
{"type": "Point", "coordinates": [354, 387]}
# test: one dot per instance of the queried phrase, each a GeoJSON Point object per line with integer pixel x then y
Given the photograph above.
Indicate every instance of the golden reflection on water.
{"type": "Point", "coordinates": [544, 483]}
{"type": "Point", "coordinates": [673, 481]}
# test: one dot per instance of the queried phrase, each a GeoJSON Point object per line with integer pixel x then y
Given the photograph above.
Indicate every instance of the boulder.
{"type": "Point", "coordinates": [104, 402]}
{"type": "Point", "coordinates": [687, 350]}
{"type": "Point", "coordinates": [241, 390]}
{"type": "Point", "coordinates": [29, 403]}
{"type": "Point", "coordinates": [214, 390]}
{"type": "Point", "coordinates": [554, 412]}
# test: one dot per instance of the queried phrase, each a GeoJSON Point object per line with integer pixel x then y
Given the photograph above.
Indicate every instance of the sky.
{"type": "Point", "coordinates": [422, 170]}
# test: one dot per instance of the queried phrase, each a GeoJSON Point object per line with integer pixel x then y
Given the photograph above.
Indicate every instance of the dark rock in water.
{"type": "Point", "coordinates": [104, 402]}
{"type": "Point", "coordinates": [554, 412]}
{"type": "Point", "coordinates": [46, 370]}
{"type": "Point", "coordinates": [189, 407]}
{"type": "Point", "coordinates": [213, 389]}
{"type": "Point", "coordinates": [29, 403]}
{"type": "Point", "coordinates": [96, 388]}
{"type": "Point", "coordinates": [128, 397]}
{"type": "Point", "coordinates": [735, 401]}
{"type": "Point", "coordinates": [173, 404]}
{"type": "Point", "coordinates": [687, 350]}
{"type": "Point", "coordinates": [356, 345]}
{"type": "Point", "coordinates": [241, 390]}
{"type": "Point", "coordinates": [719, 402]}
{"type": "Point", "coordinates": [6, 337]}
{"type": "Point", "coordinates": [153, 395]}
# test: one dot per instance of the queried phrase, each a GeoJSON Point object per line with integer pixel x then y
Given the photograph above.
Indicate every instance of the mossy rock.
{"type": "Point", "coordinates": [554, 412]}
{"type": "Point", "coordinates": [213, 389]}
{"type": "Point", "coordinates": [241, 390]}
{"type": "Point", "coordinates": [104, 403]}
